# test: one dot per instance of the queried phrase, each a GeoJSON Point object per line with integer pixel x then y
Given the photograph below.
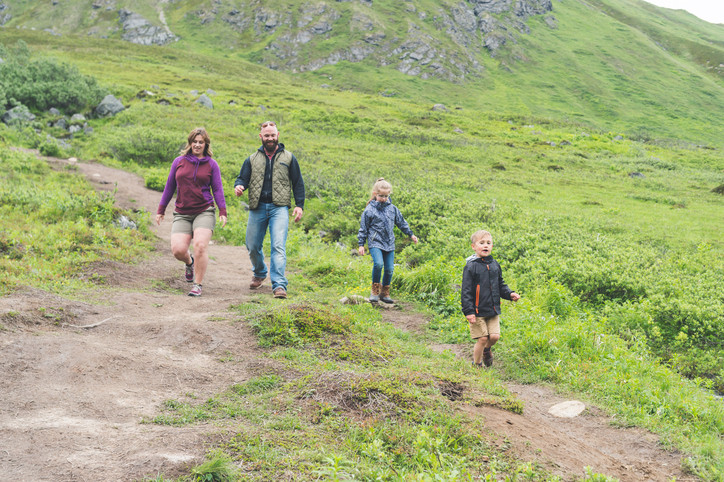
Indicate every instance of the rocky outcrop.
{"type": "Point", "coordinates": [138, 30]}
{"type": "Point", "coordinates": [205, 101]}
{"type": "Point", "coordinates": [17, 115]}
{"type": "Point", "coordinates": [472, 27]}
{"type": "Point", "coordinates": [4, 14]}
{"type": "Point", "coordinates": [109, 106]}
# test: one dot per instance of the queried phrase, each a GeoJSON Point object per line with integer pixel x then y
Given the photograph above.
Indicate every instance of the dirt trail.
{"type": "Point", "coordinates": [72, 399]}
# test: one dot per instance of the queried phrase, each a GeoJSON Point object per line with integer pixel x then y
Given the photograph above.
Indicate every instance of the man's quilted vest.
{"type": "Point", "coordinates": [281, 185]}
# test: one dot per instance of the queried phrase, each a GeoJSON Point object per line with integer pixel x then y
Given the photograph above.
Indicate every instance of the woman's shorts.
{"type": "Point", "coordinates": [188, 223]}
{"type": "Point", "coordinates": [485, 326]}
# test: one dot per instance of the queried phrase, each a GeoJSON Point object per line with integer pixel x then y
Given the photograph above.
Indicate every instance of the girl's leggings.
{"type": "Point", "coordinates": [382, 259]}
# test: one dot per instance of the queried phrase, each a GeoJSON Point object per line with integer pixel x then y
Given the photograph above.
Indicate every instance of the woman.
{"type": "Point", "coordinates": [195, 175]}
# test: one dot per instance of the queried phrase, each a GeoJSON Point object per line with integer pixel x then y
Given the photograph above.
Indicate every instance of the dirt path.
{"type": "Point", "coordinates": [72, 399]}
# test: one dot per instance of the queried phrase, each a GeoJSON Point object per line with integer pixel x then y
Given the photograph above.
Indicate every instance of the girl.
{"type": "Point", "coordinates": [195, 175]}
{"type": "Point", "coordinates": [378, 219]}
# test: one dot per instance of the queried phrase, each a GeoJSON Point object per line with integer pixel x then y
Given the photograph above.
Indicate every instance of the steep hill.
{"type": "Point", "coordinates": [609, 64]}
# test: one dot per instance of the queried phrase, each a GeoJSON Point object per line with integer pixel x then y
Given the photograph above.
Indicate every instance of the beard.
{"type": "Point", "coordinates": [271, 145]}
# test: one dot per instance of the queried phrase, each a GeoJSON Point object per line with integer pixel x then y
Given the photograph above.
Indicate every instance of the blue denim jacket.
{"type": "Point", "coordinates": [377, 223]}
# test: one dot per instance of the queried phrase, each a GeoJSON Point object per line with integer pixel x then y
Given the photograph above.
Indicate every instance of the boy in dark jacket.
{"type": "Point", "coordinates": [482, 288]}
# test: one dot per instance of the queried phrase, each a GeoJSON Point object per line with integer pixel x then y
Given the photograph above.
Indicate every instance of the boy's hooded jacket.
{"type": "Point", "coordinates": [378, 220]}
{"type": "Point", "coordinates": [482, 287]}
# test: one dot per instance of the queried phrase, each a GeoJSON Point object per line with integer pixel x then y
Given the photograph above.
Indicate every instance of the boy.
{"type": "Point", "coordinates": [482, 288]}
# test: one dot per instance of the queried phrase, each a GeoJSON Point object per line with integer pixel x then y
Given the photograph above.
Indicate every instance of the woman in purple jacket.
{"type": "Point", "coordinates": [194, 177]}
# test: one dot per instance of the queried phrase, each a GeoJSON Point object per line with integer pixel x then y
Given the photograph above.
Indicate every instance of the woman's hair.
{"type": "Point", "coordinates": [192, 135]}
{"type": "Point", "coordinates": [379, 185]}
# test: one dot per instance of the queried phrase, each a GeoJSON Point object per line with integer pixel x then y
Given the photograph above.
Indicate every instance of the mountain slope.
{"type": "Point", "coordinates": [608, 64]}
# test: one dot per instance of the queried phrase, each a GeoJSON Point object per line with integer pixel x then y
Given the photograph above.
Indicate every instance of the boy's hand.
{"type": "Point", "coordinates": [471, 318]}
{"type": "Point", "coordinates": [414, 239]}
{"type": "Point", "coordinates": [239, 190]}
{"type": "Point", "coordinates": [361, 250]}
{"type": "Point", "coordinates": [514, 296]}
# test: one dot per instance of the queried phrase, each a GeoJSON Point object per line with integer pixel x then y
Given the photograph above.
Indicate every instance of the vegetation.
{"type": "Point", "coordinates": [42, 83]}
{"type": "Point", "coordinates": [53, 225]}
{"type": "Point", "coordinates": [612, 236]}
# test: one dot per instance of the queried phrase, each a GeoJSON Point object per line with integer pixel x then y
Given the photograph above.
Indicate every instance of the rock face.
{"type": "Point", "coordinates": [109, 106]}
{"type": "Point", "coordinates": [138, 30]}
{"type": "Point", "coordinates": [4, 14]}
{"type": "Point", "coordinates": [443, 43]}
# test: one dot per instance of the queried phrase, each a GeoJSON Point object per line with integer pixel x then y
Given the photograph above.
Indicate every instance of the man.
{"type": "Point", "coordinates": [270, 175]}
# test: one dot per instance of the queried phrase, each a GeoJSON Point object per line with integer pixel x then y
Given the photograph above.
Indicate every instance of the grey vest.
{"type": "Point", "coordinates": [281, 184]}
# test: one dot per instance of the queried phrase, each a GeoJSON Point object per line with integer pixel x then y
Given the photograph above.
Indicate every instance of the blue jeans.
{"type": "Point", "coordinates": [382, 259]}
{"type": "Point", "coordinates": [276, 218]}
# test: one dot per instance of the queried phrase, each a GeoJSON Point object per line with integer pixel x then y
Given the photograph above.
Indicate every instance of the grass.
{"type": "Point", "coordinates": [620, 275]}
{"type": "Point", "coordinates": [54, 224]}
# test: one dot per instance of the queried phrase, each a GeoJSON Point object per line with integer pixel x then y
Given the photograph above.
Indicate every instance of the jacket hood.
{"type": "Point", "coordinates": [380, 205]}
{"type": "Point", "coordinates": [196, 160]}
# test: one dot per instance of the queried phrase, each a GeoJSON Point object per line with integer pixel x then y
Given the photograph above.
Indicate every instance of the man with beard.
{"type": "Point", "coordinates": [270, 175]}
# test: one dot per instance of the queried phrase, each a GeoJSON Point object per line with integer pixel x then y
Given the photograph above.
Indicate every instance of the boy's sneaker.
{"type": "Point", "coordinates": [190, 271]}
{"type": "Point", "coordinates": [488, 357]}
{"type": "Point", "coordinates": [478, 365]}
{"type": "Point", "coordinates": [255, 282]}
{"type": "Point", "coordinates": [195, 291]}
{"type": "Point", "coordinates": [280, 293]}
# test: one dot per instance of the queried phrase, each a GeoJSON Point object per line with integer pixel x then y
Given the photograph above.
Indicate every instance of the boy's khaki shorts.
{"type": "Point", "coordinates": [187, 223]}
{"type": "Point", "coordinates": [485, 326]}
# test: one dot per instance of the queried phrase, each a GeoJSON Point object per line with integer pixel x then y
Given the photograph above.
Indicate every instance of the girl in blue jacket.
{"type": "Point", "coordinates": [378, 220]}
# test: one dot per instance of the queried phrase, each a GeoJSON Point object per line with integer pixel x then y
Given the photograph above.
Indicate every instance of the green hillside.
{"type": "Point", "coordinates": [592, 155]}
{"type": "Point", "coordinates": [616, 65]}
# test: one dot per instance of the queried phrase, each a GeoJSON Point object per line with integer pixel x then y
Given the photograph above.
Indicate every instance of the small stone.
{"type": "Point", "coordinates": [568, 409]}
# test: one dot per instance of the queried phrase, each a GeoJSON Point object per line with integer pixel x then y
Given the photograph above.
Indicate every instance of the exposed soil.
{"type": "Point", "coordinates": [73, 400]}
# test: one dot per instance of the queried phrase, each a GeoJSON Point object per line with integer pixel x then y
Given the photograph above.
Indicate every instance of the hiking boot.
{"type": "Point", "coordinates": [256, 282]}
{"type": "Point", "coordinates": [385, 295]}
{"type": "Point", "coordinates": [375, 295]}
{"type": "Point", "coordinates": [280, 293]}
{"type": "Point", "coordinates": [195, 291]}
{"type": "Point", "coordinates": [190, 271]}
{"type": "Point", "coordinates": [488, 357]}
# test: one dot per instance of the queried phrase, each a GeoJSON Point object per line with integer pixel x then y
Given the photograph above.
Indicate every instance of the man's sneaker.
{"type": "Point", "coordinates": [190, 271]}
{"type": "Point", "coordinates": [195, 291]}
{"type": "Point", "coordinates": [256, 282]}
{"type": "Point", "coordinates": [280, 293]}
{"type": "Point", "coordinates": [488, 357]}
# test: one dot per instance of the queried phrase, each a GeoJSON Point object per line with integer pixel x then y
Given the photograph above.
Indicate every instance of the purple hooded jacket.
{"type": "Point", "coordinates": [195, 180]}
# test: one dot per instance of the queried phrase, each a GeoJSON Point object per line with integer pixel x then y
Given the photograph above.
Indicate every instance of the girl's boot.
{"type": "Point", "coordinates": [385, 295]}
{"type": "Point", "coordinates": [375, 296]}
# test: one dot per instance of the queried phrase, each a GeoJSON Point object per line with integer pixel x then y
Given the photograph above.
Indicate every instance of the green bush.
{"type": "Point", "coordinates": [43, 83]}
{"type": "Point", "coordinates": [144, 146]}
{"type": "Point", "coordinates": [50, 148]}
{"type": "Point", "coordinates": [155, 179]}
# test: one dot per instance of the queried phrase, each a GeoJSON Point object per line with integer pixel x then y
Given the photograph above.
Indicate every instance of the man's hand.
{"type": "Point", "coordinates": [297, 213]}
{"type": "Point", "coordinates": [239, 190]}
{"type": "Point", "coordinates": [361, 250]}
{"type": "Point", "coordinates": [471, 318]}
{"type": "Point", "coordinates": [514, 296]}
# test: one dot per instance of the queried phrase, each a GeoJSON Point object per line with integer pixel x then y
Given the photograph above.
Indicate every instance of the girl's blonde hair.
{"type": "Point", "coordinates": [379, 185]}
{"type": "Point", "coordinates": [192, 135]}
